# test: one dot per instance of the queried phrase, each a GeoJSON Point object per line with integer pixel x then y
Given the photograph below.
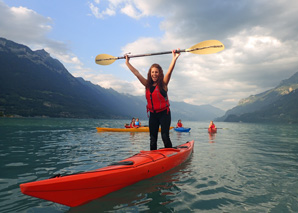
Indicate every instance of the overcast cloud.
{"type": "Point", "coordinates": [260, 39]}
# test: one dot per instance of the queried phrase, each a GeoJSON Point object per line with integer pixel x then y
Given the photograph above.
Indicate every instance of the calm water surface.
{"type": "Point", "coordinates": [242, 168]}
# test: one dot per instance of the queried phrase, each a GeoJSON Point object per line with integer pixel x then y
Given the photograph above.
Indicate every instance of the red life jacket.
{"type": "Point", "coordinates": [212, 126]}
{"type": "Point", "coordinates": [156, 102]}
{"type": "Point", "coordinates": [179, 124]}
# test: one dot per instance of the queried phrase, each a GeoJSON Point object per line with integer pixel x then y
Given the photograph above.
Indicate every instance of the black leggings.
{"type": "Point", "coordinates": [164, 120]}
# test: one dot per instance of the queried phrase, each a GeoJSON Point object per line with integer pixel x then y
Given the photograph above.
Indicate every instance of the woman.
{"type": "Point", "coordinates": [212, 125]}
{"type": "Point", "coordinates": [132, 123]}
{"type": "Point", "coordinates": [179, 124]}
{"type": "Point", "coordinates": [158, 104]}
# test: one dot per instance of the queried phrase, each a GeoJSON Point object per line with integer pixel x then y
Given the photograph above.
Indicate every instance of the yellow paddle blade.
{"type": "Point", "coordinates": [105, 59]}
{"type": "Point", "coordinates": [206, 47]}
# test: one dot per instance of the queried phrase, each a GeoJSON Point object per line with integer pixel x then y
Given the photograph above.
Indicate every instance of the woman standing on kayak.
{"type": "Point", "coordinates": [158, 104]}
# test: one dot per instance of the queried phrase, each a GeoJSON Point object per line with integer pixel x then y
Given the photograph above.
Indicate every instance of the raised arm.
{"type": "Point", "coordinates": [168, 75]}
{"type": "Point", "coordinates": [135, 71]}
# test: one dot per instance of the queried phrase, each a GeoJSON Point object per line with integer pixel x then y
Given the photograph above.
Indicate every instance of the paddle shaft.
{"type": "Point", "coordinates": [161, 53]}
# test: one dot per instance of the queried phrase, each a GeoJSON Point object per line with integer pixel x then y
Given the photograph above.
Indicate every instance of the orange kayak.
{"type": "Point", "coordinates": [139, 129]}
{"type": "Point", "coordinates": [78, 189]}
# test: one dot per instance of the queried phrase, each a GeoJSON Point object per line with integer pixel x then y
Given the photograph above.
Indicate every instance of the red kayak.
{"type": "Point", "coordinates": [212, 130]}
{"type": "Point", "coordinates": [78, 189]}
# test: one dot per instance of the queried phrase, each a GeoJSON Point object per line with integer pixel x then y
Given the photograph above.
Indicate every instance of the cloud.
{"type": "Point", "coordinates": [103, 9]}
{"type": "Point", "coordinates": [260, 39]}
{"type": "Point", "coordinates": [101, 14]}
{"type": "Point", "coordinates": [131, 11]}
{"type": "Point", "coordinates": [16, 21]}
{"type": "Point", "coordinates": [70, 59]}
{"type": "Point", "coordinates": [26, 26]}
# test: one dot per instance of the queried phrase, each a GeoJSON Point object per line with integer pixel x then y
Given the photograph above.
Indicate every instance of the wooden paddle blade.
{"type": "Point", "coordinates": [206, 47]}
{"type": "Point", "coordinates": [105, 59]}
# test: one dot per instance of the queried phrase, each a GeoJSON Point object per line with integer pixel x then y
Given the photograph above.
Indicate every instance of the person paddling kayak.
{"type": "Point", "coordinates": [137, 122]}
{"type": "Point", "coordinates": [212, 125]}
{"type": "Point", "coordinates": [212, 128]}
{"type": "Point", "coordinates": [158, 104]}
{"type": "Point", "coordinates": [179, 124]}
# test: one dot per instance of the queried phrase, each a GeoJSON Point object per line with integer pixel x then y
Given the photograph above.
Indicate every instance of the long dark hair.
{"type": "Point", "coordinates": [160, 81]}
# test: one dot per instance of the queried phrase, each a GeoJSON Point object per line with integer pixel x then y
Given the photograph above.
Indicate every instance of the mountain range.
{"type": "Point", "coordinates": [275, 105]}
{"type": "Point", "coordinates": [35, 84]}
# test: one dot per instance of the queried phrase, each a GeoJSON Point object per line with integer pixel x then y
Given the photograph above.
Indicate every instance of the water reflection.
{"type": "Point", "coordinates": [181, 135]}
{"type": "Point", "coordinates": [212, 137]}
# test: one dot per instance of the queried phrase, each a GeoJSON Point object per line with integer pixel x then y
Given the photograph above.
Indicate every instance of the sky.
{"type": "Point", "coordinates": [260, 38]}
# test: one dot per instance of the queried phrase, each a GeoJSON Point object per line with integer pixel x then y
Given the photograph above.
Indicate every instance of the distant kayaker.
{"type": "Point", "coordinates": [179, 124]}
{"type": "Point", "coordinates": [158, 104]}
{"type": "Point", "coordinates": [132, 123]}
{"type": "Point", "coordinates": [137, 122]}
{"type": "Point", "coordinates": [212, 125]}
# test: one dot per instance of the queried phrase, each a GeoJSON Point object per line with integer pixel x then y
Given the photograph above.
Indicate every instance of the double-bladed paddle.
{"type": "Point", "coordinates": [204, 47]}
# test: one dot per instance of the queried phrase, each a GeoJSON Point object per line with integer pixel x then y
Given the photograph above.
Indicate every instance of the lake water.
{"type": "Point", "coordinates": [241, 168]}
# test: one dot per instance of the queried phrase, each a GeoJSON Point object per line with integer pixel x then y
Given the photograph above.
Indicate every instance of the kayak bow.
{"type": "Point", "coordinates": [78, 189]}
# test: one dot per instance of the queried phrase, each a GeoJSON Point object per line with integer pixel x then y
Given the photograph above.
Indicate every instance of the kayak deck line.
{"type": "Point", "coordinates": [125, 162]}
{"type": "Point", "coordinates": [78, 189]}
{"type": "Point", "coordinates": [115, 165]}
